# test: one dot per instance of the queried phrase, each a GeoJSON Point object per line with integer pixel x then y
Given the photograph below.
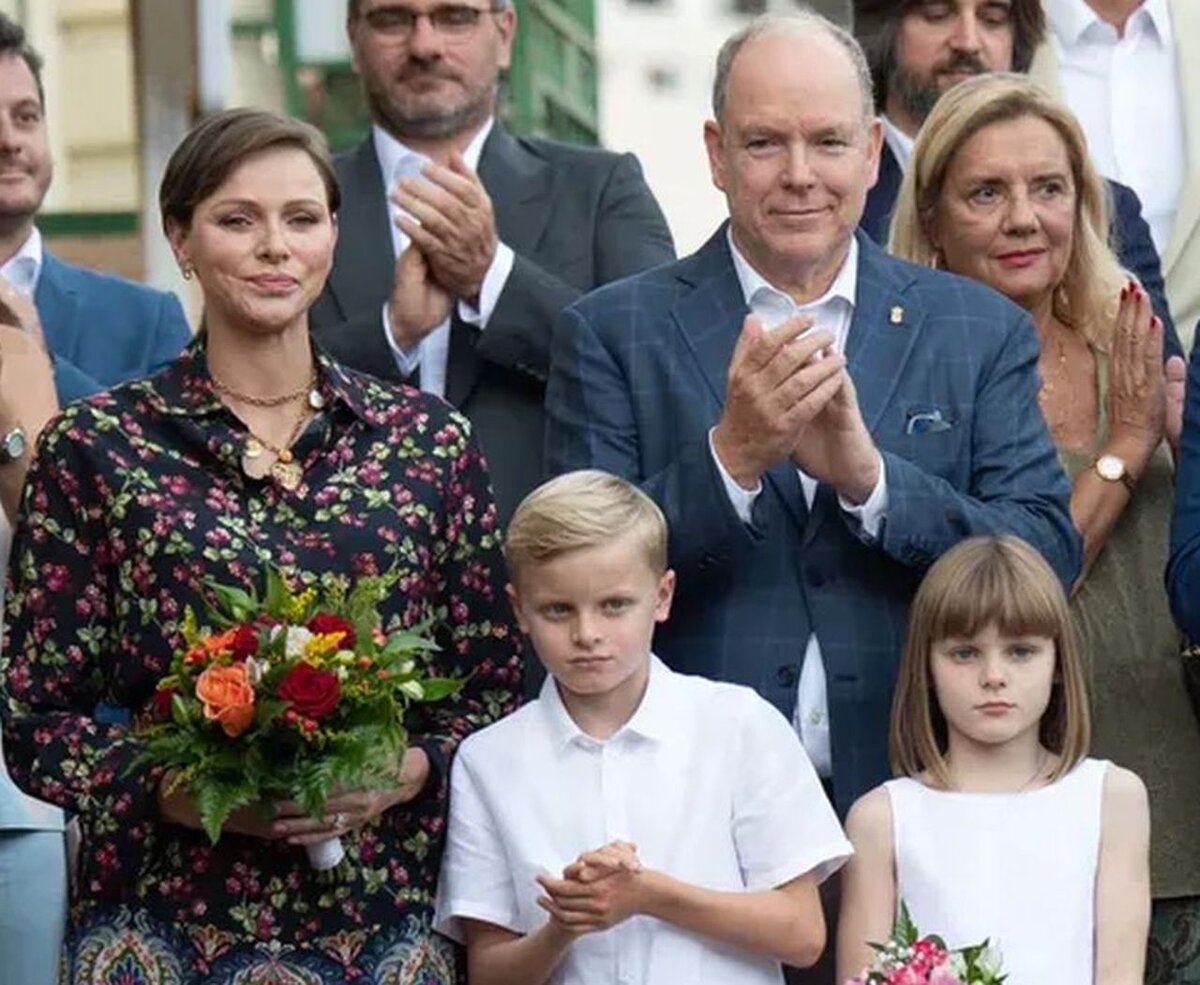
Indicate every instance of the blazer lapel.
{"type": "Point", "coordinates": [710, 319]}
{"type": "Point", "coordinates": [883, 333]}
{"type": "Point", "coordinates": [364, 257]}
{"type": "Point", "coordinates": [521, 187]}
{"type": "Point", "coordinates": [57, 305]}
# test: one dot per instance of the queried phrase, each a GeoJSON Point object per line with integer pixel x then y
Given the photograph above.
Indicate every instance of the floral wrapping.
{"type": "Point", "coordinates": [135, 497]}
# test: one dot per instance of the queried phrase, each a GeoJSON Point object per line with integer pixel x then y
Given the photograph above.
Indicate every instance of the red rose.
{"type": "Point", "coordinates": [313, 693]}
{"type": "Point", "coordinates": [160, 704]}
{"type": "Point", "coordinates": [245, 642]}
{"type": "Point", "coordinates": [327, 622]}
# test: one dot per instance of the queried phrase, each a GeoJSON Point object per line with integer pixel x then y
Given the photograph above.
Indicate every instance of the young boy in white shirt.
{"type": "Point", "coordinates": [632, 826]}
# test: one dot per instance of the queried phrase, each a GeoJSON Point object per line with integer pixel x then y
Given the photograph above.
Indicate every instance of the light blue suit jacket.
{"type": "Point", "coordinates": [945, 370]}
{"type": "Point", "coordinates": [103, 330]}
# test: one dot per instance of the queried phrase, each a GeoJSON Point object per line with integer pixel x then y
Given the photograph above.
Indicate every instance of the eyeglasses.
{"type": "Point", "coordinates": [453, 19]}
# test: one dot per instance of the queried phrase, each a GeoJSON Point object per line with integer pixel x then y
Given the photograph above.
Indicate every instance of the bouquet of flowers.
{"type": "Point", "coordinates": [907, 958]}
{"type": "Point", "coordinates": [287, 697]}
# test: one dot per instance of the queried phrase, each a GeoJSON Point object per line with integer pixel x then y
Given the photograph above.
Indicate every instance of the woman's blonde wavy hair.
{"type": "Point", "coordinates": [1086, 298]}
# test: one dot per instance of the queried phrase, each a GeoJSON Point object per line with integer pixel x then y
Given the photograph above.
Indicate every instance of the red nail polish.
{"type": "Point", "coordinates": [1124, 292]}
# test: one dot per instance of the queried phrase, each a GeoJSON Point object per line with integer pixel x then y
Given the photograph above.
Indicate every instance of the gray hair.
{"type": "Point", "coordinates": [804, 22]}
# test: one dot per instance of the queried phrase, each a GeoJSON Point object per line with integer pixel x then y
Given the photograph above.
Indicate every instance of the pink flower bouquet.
{"type": "Point", "coordinates": [907, 958]}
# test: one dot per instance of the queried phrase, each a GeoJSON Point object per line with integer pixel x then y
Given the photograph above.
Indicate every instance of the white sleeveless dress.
{"type": "Point", "coordinates": [1017, 868]}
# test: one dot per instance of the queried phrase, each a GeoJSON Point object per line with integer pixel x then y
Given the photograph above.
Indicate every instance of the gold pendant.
{"type": "Point", "coordinates": [253, 448]}
{"type": "Point", "coordinates": [287, 474]}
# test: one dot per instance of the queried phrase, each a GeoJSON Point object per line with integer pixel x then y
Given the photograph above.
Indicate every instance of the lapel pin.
{"type": "Point", "coordinates": [897, 315]}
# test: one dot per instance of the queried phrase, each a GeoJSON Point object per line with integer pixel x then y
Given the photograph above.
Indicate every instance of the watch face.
{"type": "Point", "coordinates": [14, 445]}
{"type": "Point", "coordinates": [1110, 467]}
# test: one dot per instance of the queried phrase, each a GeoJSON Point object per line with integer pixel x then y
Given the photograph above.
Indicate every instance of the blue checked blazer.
{"type": "Point", "coordinates": [637, 379]}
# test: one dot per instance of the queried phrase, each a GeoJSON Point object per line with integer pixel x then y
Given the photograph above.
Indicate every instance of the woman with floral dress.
{"type": "Point", "coordinates": [251, 449]}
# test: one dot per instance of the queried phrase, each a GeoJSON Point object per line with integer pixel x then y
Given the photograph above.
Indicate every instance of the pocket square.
{"type": "Point", "coordinates": [926, 422]}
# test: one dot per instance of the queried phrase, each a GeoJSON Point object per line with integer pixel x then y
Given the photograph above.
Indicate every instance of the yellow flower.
{"type": "Point", "coordinates": [298, 605]}
{"type": "Point", "coordinates": [321, 645]}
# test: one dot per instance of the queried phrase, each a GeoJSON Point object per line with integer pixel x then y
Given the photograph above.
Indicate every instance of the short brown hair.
{"type": "Point", "coordinates": [218, 144]}
{"type": "Point", "coordinates": [877, 26]}
{"type": "Point", "coordinates": [586, 508]}
{"type": "Point", "coordinates": [985, 581]}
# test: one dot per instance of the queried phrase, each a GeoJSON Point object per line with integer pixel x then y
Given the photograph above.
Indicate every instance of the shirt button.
{"type": "Point", "coordinates": [786, 676]}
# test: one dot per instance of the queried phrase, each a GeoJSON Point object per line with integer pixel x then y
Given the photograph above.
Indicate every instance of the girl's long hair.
{"type": "Point", "coordinates": [985, 581]}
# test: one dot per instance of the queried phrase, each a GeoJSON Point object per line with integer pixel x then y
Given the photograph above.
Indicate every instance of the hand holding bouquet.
{"type": "Point", "coordinates": [288, 698]}
{"type": "Point", "coordinates": [907, 958]}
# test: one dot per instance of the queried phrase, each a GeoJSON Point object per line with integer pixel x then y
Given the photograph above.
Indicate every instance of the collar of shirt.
{"type": "Point", "coordinates": [1073, 22]}
{"type": "Point", "coordinates": [773, 305]}
{"type": "Point", "coordinates": [900, 143]}
{"type": "Point", "coordinates": [185, 387]}
{"type": "Point", "coordinates": [396, 158]}
{"type": "Point", "coordinates": [652, 719]}
{"type": "Point", "coordinates": [24, 267]}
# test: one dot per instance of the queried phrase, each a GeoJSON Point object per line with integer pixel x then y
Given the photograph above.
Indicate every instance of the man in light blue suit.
{"type": "Point", "coordinates": [99, 329]}
{"type": "Point", "coordinates": [810, 477]}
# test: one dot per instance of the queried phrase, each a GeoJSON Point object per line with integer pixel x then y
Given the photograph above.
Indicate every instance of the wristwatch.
{"type": "Point", "coordinates": [1110, 468]}
{"type": "Point", "coordinates": [12, 445]}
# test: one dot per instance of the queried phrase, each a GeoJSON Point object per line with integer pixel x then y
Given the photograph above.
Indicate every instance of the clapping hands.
{"type": "Point", "coordinates": [599, 890]}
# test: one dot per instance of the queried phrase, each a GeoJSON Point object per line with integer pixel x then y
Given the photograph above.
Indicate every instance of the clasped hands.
{"type": "Point", "coordinates": [345, 811]}
{"type": "Point", "coordinates": [789, 397]}
{"type": "Point", "coordinates": [599, 890]}
{"type": "Point", "coordinates": [448, 218]}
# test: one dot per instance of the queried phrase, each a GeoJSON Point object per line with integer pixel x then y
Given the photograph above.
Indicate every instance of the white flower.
{"type": "Point", "coordinates": [413, 689]}
{"type": "Point", "coordinates": [342, 674]}
{"type": "Point", "coordinates": [256, 669]}
{"type": "Point", "coordinates": [958, 964]}
{"type": "Point", "coordinates": [297, 640]}
{"type": "Point", "coordinates": [990, 960]}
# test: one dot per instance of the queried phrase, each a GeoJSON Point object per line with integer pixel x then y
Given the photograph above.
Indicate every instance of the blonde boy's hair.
{"type": "Point", "coordinates": [1086, 298]}
{"type": "Point", "coordinates": [587, 508]}
{"type": "Point", "coordinates": [984, 581]}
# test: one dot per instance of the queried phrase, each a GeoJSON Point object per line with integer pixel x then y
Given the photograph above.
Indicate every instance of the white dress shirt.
{"type": "Point", "coordinates": [22, 271]}
{"type": "Point", "coordinates": [832, 311]}
{"type": "Point", "coordinates": [899, 142]}
{"type": "Point", "coordinates": [398, 161]}
{"type": "Point", "coordinates": [706, 778]}
{"type": "Point", "coordinates": [1125, 91]}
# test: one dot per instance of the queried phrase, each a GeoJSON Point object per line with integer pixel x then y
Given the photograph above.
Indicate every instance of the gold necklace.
{"type": "Point", "coordinates": [315, 400]}
{"type": "Point", "coordinates": [1049, 386]}
{"type": "Point", "coordinates": [284, 469]}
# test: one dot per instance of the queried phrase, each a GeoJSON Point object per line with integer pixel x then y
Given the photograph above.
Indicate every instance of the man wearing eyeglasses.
{"type": "Point", "coordinates": [460, 244]}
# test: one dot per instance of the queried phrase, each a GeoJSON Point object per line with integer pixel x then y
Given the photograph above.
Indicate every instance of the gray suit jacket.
{"type": "Point", "coordinates": [575, 217]}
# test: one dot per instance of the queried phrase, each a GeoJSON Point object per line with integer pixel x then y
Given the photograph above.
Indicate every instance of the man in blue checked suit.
{"type": "Point", "coordinates": [818, 421]}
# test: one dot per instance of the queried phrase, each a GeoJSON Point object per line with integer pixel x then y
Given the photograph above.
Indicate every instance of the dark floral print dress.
{"type": "Point", "coordinates": [136, 496]}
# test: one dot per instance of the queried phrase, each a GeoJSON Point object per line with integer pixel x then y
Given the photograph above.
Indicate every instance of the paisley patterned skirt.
{"type": "Point", "coordinates": [128, 947]}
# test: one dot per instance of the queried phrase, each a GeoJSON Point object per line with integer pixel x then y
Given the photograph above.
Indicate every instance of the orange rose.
{"type": "Point", "coordinates": [228, 697]}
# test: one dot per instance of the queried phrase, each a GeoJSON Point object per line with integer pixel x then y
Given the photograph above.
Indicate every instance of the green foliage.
{"type": "Point", "coordinates": [277, 751]}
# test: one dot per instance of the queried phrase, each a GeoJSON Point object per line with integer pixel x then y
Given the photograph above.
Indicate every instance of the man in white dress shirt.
{"type": "Point", "coordinates": [459, 244]}
{"type": "Point", "coordinates": [1130, 70]}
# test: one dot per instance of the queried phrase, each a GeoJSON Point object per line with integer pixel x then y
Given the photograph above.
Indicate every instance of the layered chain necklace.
{"type": "Point", "coordinates": [261, 457]}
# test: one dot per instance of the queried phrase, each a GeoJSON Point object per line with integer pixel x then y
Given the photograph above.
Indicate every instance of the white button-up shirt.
{"type": "Point", "coordinates": [397, 161]}
{"type": "Point", "coordinates": [706, 778]}
{"type": "Point", "coordinates": [1125, 91]}
{"type": "Point", "coordinates": [899, 143]}
{"type": "Point", "coordinates": [833, 311]}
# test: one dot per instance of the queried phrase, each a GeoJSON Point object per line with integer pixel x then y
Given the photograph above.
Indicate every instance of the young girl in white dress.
{"type": "Point", "coordinates": [999, 826]}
